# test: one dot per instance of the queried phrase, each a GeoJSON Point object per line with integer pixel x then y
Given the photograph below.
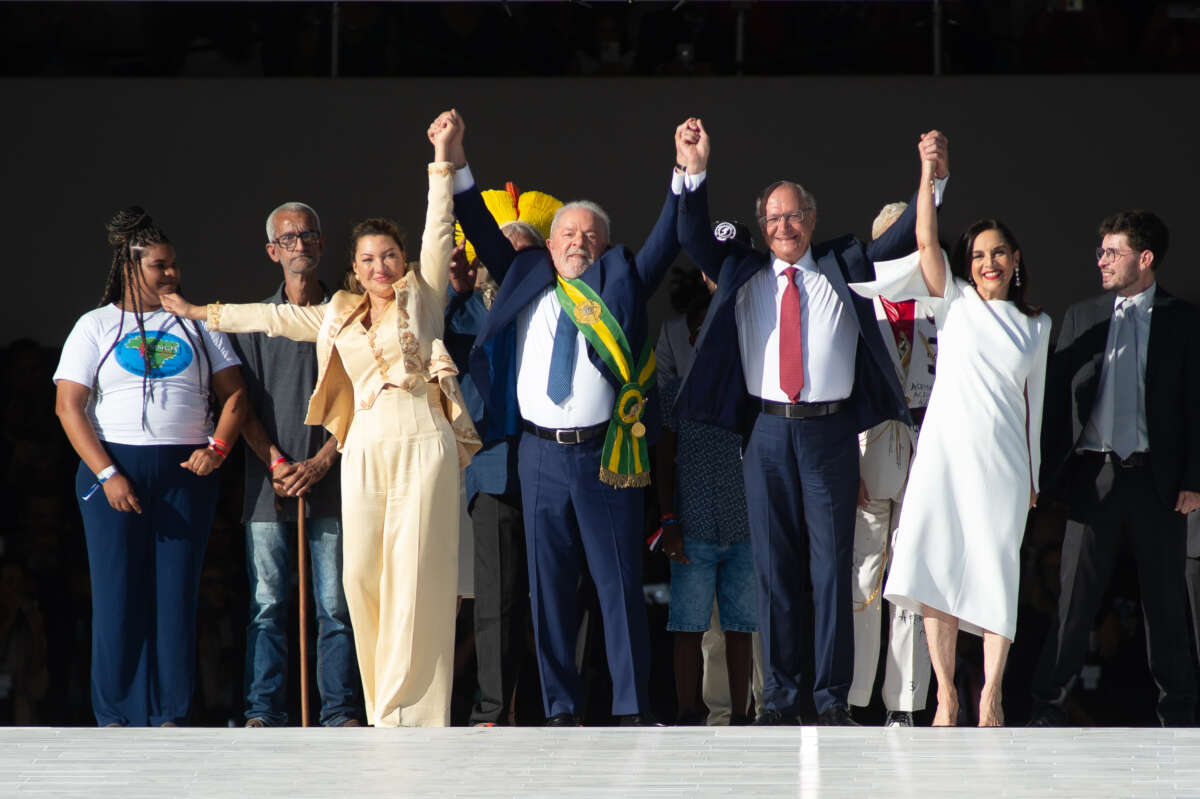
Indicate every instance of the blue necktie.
{"type": "Point", "coordinates": [562, 359]}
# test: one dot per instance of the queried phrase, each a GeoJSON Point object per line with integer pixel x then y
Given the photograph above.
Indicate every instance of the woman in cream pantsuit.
{"type": "Point", "coordinates": [386, 388]}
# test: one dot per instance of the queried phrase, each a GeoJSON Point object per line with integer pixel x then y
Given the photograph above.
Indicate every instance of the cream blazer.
{"type": "Point", "coordinates": [420, 319]}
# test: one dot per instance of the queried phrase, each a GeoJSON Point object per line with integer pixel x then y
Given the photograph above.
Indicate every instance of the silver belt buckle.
{"type": "Point", "coordinates": [559, 436]}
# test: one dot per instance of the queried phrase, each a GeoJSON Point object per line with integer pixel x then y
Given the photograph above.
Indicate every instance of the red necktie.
{"type": "Point", "coordinates": [791, 347]}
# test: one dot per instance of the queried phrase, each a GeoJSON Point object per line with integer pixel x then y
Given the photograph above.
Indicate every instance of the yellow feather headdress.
{"type": "Point", "coordinates": [509, 205]}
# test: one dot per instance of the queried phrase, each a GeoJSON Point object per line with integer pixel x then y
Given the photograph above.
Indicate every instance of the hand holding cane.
{"type": "Point", "coordinates": [302, 573]}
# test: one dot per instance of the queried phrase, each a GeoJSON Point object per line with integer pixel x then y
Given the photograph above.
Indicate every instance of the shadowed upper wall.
{"type": "Point", "coordinates": [209, 158]}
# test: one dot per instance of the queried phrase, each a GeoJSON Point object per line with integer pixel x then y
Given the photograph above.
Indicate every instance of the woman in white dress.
{"type": "Point", "coordinates": [956, 559]}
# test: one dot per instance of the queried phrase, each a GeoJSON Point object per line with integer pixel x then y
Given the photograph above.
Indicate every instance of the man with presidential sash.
{"type": "Point", "coordinates": [563, 361]}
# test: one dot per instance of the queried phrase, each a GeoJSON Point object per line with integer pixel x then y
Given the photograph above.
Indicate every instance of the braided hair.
{"type": "Point", "coordinates": [130, 231]}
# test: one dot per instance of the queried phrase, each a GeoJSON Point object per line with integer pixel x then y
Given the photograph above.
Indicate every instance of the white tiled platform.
{"type": "Point", "coordinates": [655, 763]}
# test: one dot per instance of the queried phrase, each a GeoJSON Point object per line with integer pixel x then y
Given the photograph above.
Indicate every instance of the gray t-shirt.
{"type": "Point", "coordinates": [280, 376]}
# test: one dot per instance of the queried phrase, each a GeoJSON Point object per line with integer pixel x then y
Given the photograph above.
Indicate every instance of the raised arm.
{"type": "Point", "coordinates": [899, 239]}
{"type": "Point", "coordinates": [660, 248]}
{"type": "Point", "coordinates": [692, 148]}
{"type": "Point", "coordinates": [297, 322]}
{"type": "Point", "coordinates": [933, 266]}
{"type": "Point", "coordinates": [437, 242]}
{"type": "Point", "coordinates": [491, 246]}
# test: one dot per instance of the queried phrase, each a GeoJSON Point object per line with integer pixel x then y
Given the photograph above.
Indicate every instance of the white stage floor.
{"type": "Point", "coordinates": [644, 763]}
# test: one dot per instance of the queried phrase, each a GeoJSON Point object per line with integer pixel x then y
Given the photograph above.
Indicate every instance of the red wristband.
{"type": "Point", "coordinates": [276, 462]}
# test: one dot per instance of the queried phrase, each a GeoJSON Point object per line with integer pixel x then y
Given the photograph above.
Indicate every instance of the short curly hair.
{"type": "Point", "coordinates": [1143, 229]}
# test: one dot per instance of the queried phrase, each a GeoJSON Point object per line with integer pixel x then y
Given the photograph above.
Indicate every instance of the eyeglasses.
{"type": "Point", "coordinates": [288, 241]}
{"type": "Point", "coordinates": [791, 217]}
{"type": "Point", "coordinates": [1103, 254]}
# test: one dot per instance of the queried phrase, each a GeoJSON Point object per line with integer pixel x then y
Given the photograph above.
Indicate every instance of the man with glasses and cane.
{"type": "Point", "coordinates": [291, 468]}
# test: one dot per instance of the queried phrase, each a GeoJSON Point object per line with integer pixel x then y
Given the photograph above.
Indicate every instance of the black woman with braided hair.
{"type": "Point", "coordinates": [135, 388]}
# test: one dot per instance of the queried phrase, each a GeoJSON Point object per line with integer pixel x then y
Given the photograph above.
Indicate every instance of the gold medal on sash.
{"type": "Point", "coordinates": [587, 313]}
{"type": "Point", "coordinates": [638, 429]}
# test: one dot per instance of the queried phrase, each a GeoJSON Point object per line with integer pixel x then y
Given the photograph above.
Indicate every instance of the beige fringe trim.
{"type": "Point", "coordinates": [624, 480]}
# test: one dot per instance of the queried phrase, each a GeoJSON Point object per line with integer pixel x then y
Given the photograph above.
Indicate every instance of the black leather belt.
{"type": "Point", "coordinates": [1136, 460]}
{"type": "Point", "coordinates": [918, 416]}
{"type": "Point", "coordinates": [565, 435]}
{"type": "Point", "coordinates": [801, 410]}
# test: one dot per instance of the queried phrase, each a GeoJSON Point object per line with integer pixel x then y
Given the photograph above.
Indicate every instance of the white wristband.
{"type": "Point", "coordinates": [106, 473]}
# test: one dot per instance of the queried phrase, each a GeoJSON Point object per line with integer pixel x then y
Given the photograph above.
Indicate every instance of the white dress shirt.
{"type": "Point", "coordinates": [829, 330]}
{"type": "Point", "coordinates": [592, 396]}
{"type": "Point", "coordinates": [591, 399]}
{"type": "Point", "coordinates": [829, 333]}
{"type": "Point", "coordinates": [1097, 433]}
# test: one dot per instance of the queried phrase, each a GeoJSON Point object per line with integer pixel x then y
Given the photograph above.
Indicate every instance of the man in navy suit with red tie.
{"type": "Point", "coordinates": [563, 362]}
{"type": "Point", "coordinates": [791, 358]}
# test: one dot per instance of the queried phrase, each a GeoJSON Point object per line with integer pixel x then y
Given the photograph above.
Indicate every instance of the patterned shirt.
{"type": "Point", "coordinates": [709, 488]}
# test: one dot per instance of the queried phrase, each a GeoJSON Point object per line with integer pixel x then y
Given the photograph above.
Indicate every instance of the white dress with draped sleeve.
{"type": "Point", "coordinates": [958, 544]}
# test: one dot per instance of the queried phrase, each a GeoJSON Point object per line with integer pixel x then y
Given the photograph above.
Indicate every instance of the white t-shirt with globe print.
{"type": "Point", "coordinates": [177, 409]}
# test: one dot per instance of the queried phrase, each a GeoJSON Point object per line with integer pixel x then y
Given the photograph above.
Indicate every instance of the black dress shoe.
{"type": "Point", "coordinates": [836, 716]}
{"type": "Point", "coordinates": [775, 718]}
{"type": "Point", "coordinates": [563, 720]}
{"type": "Point", "coordinates": [1047, 715]}
{"type": "Point", "coordinates": [899, 718]}
{"type": "Point", "coordinates": [638, 720]}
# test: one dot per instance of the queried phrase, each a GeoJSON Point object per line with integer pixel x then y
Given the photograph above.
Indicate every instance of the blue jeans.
{"type": "Point", "coordinates": [724, 573]}
{"type": "Point", "coordinates": [270, 560]}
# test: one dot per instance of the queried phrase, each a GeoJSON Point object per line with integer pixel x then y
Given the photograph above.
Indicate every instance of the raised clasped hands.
{"type": "Point", "coordinates": [692, 146]}
{"type": "Point", "coordinates": [935, 148]}
{"type": "Point", "coordinates": [446, 135]}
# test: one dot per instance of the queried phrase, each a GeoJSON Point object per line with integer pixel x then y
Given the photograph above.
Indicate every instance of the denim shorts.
{"type": "Point", "coordinates": [726, 572]}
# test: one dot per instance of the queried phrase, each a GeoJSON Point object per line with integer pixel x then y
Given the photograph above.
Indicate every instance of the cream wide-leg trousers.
{"type": "Point", "coordinates": [400, 520]}
{"type": "Point", "coordinates": [907, 668]}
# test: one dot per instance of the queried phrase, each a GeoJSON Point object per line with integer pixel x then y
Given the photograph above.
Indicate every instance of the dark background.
{"type": "Point", "coordinates": [1051, 155]}
{"type": "Point", "coordinates": [1059, 112]}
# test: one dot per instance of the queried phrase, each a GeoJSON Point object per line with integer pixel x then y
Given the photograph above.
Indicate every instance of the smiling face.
{"type": "Point", "coordinates": [788, 238]}
{"type": "Point", "coordinates": [156, 273]}
{"type": "Point", "coordinates": [1125, 271]}
{"type": "Point", "coordinates": [993, 262]}
{"type": "Point", "coordinates": [579, 237]}
{"type": "Point", "coordinates": [378, 263]}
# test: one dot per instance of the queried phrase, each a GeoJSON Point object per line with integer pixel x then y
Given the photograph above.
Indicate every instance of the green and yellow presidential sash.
{"type": "Point", "coordinates": [625, 462]}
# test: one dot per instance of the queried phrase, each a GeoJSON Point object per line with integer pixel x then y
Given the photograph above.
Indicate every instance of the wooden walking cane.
{"type": "Point", "coordinates": [302, 573]}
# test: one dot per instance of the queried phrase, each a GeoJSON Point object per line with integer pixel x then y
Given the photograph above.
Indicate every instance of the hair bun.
{"type": "Point", "coordinates": [124, 223]}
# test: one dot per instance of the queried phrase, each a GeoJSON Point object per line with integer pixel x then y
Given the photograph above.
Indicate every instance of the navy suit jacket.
{"type": "Point", "coordinates": [714, 391]}
{"type": "Point", "coordinates": [624, 281]}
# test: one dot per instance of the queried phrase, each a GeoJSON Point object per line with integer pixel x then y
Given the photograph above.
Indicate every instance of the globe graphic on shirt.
{"type": "Point", "coordinates": [169, 355]}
